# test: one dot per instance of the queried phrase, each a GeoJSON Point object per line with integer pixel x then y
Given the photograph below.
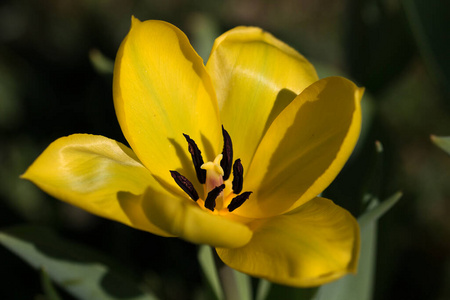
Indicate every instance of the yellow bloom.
{"type": "Point", "coordinates": [291, 132]}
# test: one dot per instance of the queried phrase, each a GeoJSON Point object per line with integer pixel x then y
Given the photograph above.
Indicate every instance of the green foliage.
{"type": "Point", "coordinates": [351, 287]}
{"type": "Point", "coordinates": [206, 260]}
{"type": "Point", "coordinates": [360, 286]}
{"type": "Point", "coordinates": [442, 142]}
{"type": "Point", "coordinates": [241, 283]}
{"type": "Point", "coordinates": [80, 271]}
{"type": "Point", "coordinates": [263, 289]}
{"type": "Point", "coordinates": [101, 63]}
{"type": "Point", "coordinates": [48, 287]}
{"type": "Point", "coordinates": [429, 24]}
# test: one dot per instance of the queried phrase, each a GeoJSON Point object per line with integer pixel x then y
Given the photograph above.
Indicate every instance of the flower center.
{"type": "Point", "coordinates": [214, 179]}
{"type": "Point", "coordinates": [222, 194]}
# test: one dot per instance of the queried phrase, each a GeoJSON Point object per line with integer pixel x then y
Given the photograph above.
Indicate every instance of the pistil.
{"type": "Point", "coordinates": [215, 177]}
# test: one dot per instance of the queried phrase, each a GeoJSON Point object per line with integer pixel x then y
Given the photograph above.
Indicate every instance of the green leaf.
{"type": "Point", "coordinates": [206, 260]}
{"type": "Point", "coordinates": [263, 289]}
{"type": "Point", "coordinates": [360, 286]}
{"type": "Point", "coordinates": [429, 23]}
{"type": "Point", "coordinates": [375, 211]}
{"type": "Point", "coordinates": [373, 182]}
{"type": "Point", "coordinates": [243, 282]}
{"type": "Point", "coordinates": [239, 284]}
{"type": "Point", "coordinates": [442, 142]}
{"type": "Point", "coordinates": [80, 271]}
{"type": "Point", "coordinates": [101, 63]}
{"type": "Point", "coordinates": [47, 286]}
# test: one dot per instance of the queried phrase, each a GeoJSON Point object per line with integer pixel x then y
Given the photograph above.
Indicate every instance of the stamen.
{"type": "Point", "coordinates": [238, 176]}
{"type": "Point", "coordinates": [185, 185]}
{"type": "Point", "coordinates": [238, 201]}
{"type": "Point", "coordinates": [227, 153]}
{"type": "Point", "coordinates": [197, 159]}
{"type": "Point", "coordinates": [210, 202]}
{"type": "Point", "coordinates": [213, 174]}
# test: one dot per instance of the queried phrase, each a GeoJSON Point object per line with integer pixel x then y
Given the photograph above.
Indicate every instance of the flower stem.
{"type": "Point", "coordinates": [227, 279]}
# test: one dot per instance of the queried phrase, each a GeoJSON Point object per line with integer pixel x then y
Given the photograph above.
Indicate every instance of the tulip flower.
{"type": "Point", "coordinates": [232, 154]}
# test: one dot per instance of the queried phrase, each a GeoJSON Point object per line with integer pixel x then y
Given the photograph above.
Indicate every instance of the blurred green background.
{"type": "Point", "coordinates": [55, 80]}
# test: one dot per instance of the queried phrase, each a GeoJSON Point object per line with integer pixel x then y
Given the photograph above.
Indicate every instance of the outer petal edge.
{"type": "Point", "coordinates": [315, 244]}
{"type": "Point", "coordinates": [304, 149]}
{"type": "Point", "coordinates": [94, 173]}
{"type": "Point", "coordinates": [255, 76]}
{"type": "Point", "coordinates": [161, 90]}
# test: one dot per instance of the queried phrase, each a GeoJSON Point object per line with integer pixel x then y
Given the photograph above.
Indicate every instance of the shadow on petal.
{"type": "Point", "coordinates": [309, 246]}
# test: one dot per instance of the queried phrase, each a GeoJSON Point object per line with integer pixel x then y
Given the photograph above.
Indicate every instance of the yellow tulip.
{"type": "Point", "coordinates": [291, 132]}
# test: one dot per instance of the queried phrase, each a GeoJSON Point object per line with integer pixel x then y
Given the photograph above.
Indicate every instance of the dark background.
{"type": "Point", "coordinates": [54, 81]}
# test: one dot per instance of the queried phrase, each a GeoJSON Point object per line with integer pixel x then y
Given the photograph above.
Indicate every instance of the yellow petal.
{"type": "Point", "coordinates": [304, 149]}
{"type": "Point", "coordinates": [183, 218]}
{"type": "Point", "coordinates": [132, 206]}
{"type": "Point", "coordinates": [95, 173]}
{"type": "Point", "coordinates": [162, 90]}
{"type": "Point", "coordinates": [255, 77]}
{"type": "Point", "coordinates": [309, 246]}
